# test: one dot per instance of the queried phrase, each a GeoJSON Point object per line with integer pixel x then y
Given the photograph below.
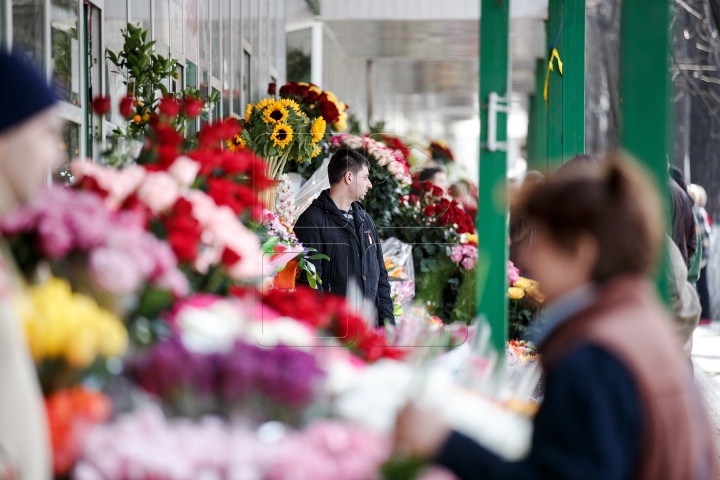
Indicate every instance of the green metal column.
{"type": "Point", "coordinates": [573, 78]}
{"type": "Point", "coordinates": [492, 205]}
{"type": "Point", "coordinates": [645, 89]}
{"type": "Point", "coordinates": [538, 121]}
{"type": "Point", "coordinates": [566, 111]}
{"type": "Point", "coordinates": [555, 126]}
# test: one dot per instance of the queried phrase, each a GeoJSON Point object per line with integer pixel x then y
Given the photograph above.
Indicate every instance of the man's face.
{"type": "Point", "coordinates": [361, 184]}
{"type": "Point", "coordinates": [29, 151]}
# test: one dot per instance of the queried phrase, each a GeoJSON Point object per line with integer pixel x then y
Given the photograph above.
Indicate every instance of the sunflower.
{"type": "Point", "coordinates": [236, 143]}
{"type": "Point", "coordinates": [248, 112]}
{"type": "Point", "coordinates": [282, 135]}
{"type": "Point", "coordinates": [264, 103]}
{"type": "Point", "coordinates": [318, 129]}
{"type": "Point", "coordinates": [275, 114]}
{"type": "Point", "coordinates": [289, 103]}
{"type": "Point", "coordinates": [316, 151]}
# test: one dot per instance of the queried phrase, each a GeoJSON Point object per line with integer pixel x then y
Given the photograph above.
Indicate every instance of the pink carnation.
{"type": "Point", "coordinates": [115, 270]}
{"type": "Point", "coordinates": [159, 191]}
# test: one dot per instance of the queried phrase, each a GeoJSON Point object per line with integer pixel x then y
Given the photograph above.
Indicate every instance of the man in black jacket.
{"type": "Point", "coordinates": [337, 225]}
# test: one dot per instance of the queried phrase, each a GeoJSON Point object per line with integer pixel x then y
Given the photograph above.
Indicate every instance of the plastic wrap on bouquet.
{"type": "Point", "coordinates": [401, 270]}
{"type": "Point", "coordinates": [312, 188]}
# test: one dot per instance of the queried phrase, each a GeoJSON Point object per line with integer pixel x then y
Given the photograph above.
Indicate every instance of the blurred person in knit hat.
{"type": "Point", "coordinates": [29, 147]}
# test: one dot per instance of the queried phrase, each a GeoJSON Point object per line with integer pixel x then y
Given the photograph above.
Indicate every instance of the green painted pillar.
{"type": "Point", "coordinates": [538, 119]}
{"type": "Point", "coordinates": [645, 90]}
{"type": "Point", "coordinates": [492, 205]}
{"type": "Point", "coordinates": [566, 111]}
{"type": "Point", "coordinates": [555, 26]}
{"type": "Point", "coordinates": [573, 78]}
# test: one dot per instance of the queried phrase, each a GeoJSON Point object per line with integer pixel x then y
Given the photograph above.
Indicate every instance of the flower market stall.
{"type": "Point", "coordinates": [171, 341]}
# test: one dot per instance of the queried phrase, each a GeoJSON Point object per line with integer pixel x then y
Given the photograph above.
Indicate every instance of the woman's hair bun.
{"type": "Point", "coordinates": [616, 181]}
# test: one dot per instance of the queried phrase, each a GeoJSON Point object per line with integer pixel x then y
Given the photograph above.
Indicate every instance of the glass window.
{"type": "Point", "coordinates": [255, 72]}
{"type": "Point", "coordinates": [247, 71]}
{"type": "Point", "coordinates": [237, 56]}
{"type": "Point", "coordinates": [226, 56]}
{"type": "Point", "coordinates": [28, 17]}
{"type": "Point", "coordinates": [204, 34]}
{"type": "Point", "coordinates": [191, 75]}
{"type": "Point", "coordinates": [246, 21]}
{"type": "Point", "coordinates": [215, 55]}
{"type": "Point", "coordinates": [273, 34]}
{"type": "Point", "coordinates": [191, 30]}
{"type": "Point", "coordinates": [140, 13]}
{"type": "Point", "coordinates": [115, 22]}
{"type": "Point", "coordinates": [205, 92]}
{"type": "Point", "coordinates": [299, 49]}
{"type": "Point", "coordinates": [217, 112]}
{"type": "Point", "coordinates": [191, 81]}
{"type": "Point", "coordinates": [176, 25]}
{"type": "Point", "coordinates": [162, 26]}
{"type": "Point", "coordinates": [264, 50]}
{"type": "Point", "coordinates": [65, 50]}
{"type": "Point", "coordinates": [70, 144]}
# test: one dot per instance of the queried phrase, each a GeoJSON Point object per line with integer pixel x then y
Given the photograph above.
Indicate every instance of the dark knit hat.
{"type": "Point", "coordinates": [23, 92]}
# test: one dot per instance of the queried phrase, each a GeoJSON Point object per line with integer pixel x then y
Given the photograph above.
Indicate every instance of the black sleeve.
{"type": "Point", "coordinates": [307, 230]}
{"type": "Point", "coordinates": [588, 427]}
{"type": "Point", "coordinates": [385, 307]}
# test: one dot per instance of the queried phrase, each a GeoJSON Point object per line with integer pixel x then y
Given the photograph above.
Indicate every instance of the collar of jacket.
{"type": "Point", "coordinates": [326, 203]}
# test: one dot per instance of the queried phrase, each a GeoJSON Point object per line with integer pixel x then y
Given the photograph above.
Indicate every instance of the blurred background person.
{"type": "Point", "coordinates": [29, 148]}
{"type": "Point", "coordinates": [699, 196]}
{"type": "Point", "coordinates": [435, 176]}
{"type": "Point", "coordinates": [684, 230]}
{"type": "Point", "coordinates": [619, 400]}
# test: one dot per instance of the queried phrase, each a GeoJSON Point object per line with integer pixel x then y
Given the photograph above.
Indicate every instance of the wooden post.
{"type": "Point", "coordinates": [645, 92]}
{"type": "Point", "coordinates": [492, 205]}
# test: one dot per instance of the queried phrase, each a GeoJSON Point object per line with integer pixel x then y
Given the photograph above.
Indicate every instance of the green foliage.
{"type": "Point", "coordinates": [377, 128]}
{"type": "Point", "coordinates": [146, 76]}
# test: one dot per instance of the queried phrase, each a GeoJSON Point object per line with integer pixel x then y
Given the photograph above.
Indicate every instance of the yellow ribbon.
{"type": "Point", "coordinates": [553, 55]}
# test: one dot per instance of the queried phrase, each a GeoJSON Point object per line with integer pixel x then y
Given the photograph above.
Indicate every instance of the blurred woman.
{"type": "Point", "coordinates": [29, 148]}
{"type": "Point", "coordinates": [619, 400]}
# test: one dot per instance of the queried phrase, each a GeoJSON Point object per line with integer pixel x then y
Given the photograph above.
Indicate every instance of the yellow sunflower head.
{"type": "Point", "coordinates": [248, 112]}
{"type": "Point", "coordinates": [318, 129]}
{"type": "Point", "coordinates": [264, 103]}
{"type": "Point", "coordinates": [275, 114]}
{"type": "Point", "coordinates": [316, 151]}
{"type": "Point", "coordinates": [289, 103]}
{"type": "Point", "coordinates": [282, 135]}
{"type": "Point", "coordinates": [236, 143]}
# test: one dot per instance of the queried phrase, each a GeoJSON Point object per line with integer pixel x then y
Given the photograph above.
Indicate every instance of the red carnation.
{"type": "Point", "coordinates": [169, 106]}
{"type": "Point", "coordinates": [437, 191]}
{"type": "Point", "coordinates": [101, 105]}
{"type": "Point", "coordinates": [427, 186]}
{"type": "Point", "coordinates": [126, 106]}
{"type": "Point", "coordinates": [192, 106]}
{"type": "Point", "coordinates": [429, 210]}
{"type": "Point", "coordinates": [271, 88]}
{"type": "Point", "coordinates": [416, 185]}
{"type": "Point", "coordinates": [413, 199]}
{"type": "Point", "coordinates": [302, 90]}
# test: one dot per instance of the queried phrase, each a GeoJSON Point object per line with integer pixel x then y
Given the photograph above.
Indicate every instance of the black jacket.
{"type": "Point", "coordinates": [354, 252]}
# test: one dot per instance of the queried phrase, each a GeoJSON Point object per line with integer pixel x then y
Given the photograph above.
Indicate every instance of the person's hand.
{"type": "Point", "coordinates": [420, 432]}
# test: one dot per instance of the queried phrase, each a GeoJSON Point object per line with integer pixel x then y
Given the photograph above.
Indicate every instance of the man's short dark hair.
{"type": "Point", "coordinates": [343, 161]}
